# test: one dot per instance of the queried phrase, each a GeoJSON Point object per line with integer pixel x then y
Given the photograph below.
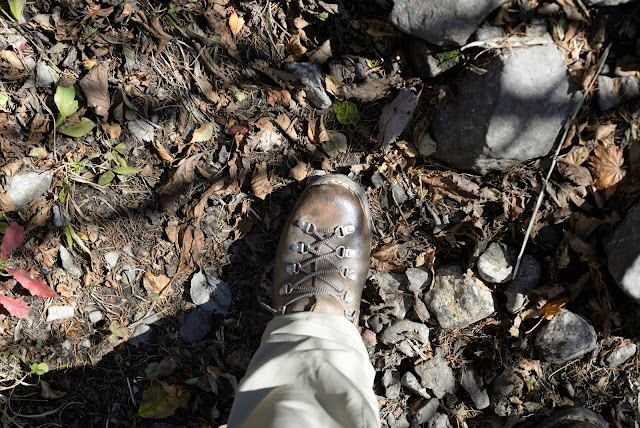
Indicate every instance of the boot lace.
{"type": "Point", "coordinates": [306, 269]}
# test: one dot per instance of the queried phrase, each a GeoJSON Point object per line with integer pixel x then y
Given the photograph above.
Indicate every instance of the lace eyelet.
{"type": "Point", "coordinates": [342, 231]}
{"type": "Point", "coordinates": [307, 227]}
{"type": "Point", "coordinates": [346, 296]}
{"type": "Point", "coordinates": [294, 269]}
{"type": "Point", "coordinates": [345, 272]}
{"type": "Point", "coordinates": [300, 247]}
{"type": "Point", "coordinates": [343, 252]}
{"type": "Point", "coordinates": [286, 289]}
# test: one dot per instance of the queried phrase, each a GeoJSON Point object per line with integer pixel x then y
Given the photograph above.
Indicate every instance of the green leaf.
{"type": "Point", "coordinates": [561, 28]}
{"type": "Point", "coordinates": [3, 226]}
{"type": "Point", "coordinates": [69, 235]}
{"type": "Point", "coordinates": [39, 368]}
{"type": "Point", "coordinates": [428, 145]}
{"type": "Point", "coordinates": [78, 129]}
{"type": "Point", "coordinates": [17, 6]}
{"type": "Point", "coordinates": [119, 158]}
{"type": "Point", "coordinates": [162, 400]}
{"type": "Point", "coordinates": [39, 343]}
{"type": "Point", "coordinates": [237, 93]}
{"type": "Point", "coordinates": [66, 103]}
{"type": "Point", "coordinates": [322, 16]}
{"type": "Point", "coordinates": [347, 113]}
{"type": "Point", "coordinates": [106, 178]}
{"type": "Point", "coordinates": [4, 99]}
{"type": "Point", "coordinates": [126, 170]}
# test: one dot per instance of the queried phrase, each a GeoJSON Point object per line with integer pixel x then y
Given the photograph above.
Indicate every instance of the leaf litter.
{"type": "Point", "coordinates": [182, 197]}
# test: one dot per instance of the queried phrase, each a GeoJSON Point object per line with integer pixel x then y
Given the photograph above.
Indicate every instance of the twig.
{"type": "Point", "coordinates": [555, 158]}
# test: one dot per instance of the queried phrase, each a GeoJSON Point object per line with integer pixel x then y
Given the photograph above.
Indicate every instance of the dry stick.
{"type": "Point", "coordinates": [555, 159]}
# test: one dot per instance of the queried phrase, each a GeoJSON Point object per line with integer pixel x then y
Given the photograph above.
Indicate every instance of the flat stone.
{"type": "Point", "coordinates": [502, 386]}
{"type": "Point", "coordinates": [311, 77]}
{"type": "Point", "coordinates": [620, 355]}
{"type": "Point", "coordinates": [418, 279]}
{"type": "Point", "coordinates": [591, 3]}
{"type": "Point", "coordinates": [615, 91]}
{"type": "Point", "coordinates": [68, 264]}
{"type": "Point", "coordinates": [24, 188]}
{"type": "Point", "coordinates": [95, 317]}
{"type": "Point", "coordinates": [512, 113]}
{"type": "Point", "coordinates": [566, 337]}
{"type": "Point", "coordinates": [439, 420]}
{"type": "Point", "coordinates": [496, 263]}
{"type": "Point", "coordinates": [411, 382]}
{"type": "Point", "coordinates": [623, 253]}
{"type": "Point", "coordinates": [196, 325]}
{"type": "Point", "coordinates": [473, 384]}
{"type": "Point", "coordinates": [55, 313]}
{"type": "Point", "coordinates": [458, 299]}
{"type": "Point", "coordinates": [441, 22]}
{"type": "Point", "coordinates": [436, 375]}
{"type": "Point", "coordinates": [425, 412]}
{"type": "Point", "coordinates": [45, 75]}
{"type": "Point", "coordinates": [527, 278]}
{"type": "Point", "coordinates": [405, 329]}
{"type": "Point", "coordinates": [112, 258]}
{"type": "Point", "coordinates": [391, 383]}
{"type": "Point", "coordinates": [210, 293]}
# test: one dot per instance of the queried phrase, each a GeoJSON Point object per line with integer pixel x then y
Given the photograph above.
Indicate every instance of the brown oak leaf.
{"type": "Point", "coordinates": [607, 166]}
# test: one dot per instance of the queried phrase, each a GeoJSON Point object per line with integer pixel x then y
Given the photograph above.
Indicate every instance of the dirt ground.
{"type": "Point", "coordinates": [202, 139]}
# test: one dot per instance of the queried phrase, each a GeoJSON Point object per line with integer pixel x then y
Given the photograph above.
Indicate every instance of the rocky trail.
{"type": "Point", "coordinates": [151, 153]}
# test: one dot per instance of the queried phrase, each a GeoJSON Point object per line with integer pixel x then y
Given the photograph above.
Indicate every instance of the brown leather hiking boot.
{"type": "Point", "coordinates": [573, 417]}
{"type": "Point", "coordinates": [322, 260]}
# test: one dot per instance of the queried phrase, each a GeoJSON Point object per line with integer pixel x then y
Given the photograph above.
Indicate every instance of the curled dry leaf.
{"type": "Point", "coordinates": [183, 176]}
{"type": "Point", "coordinates": [300, 171]}
{"type": "Point", "coordinates": [369, 90]}
{"type": "Point", "coordinates": [396, 116]}
{"type": "Point", "coordinates": [203, 133]}
{"type": "Point", "coordinates": [578, 174]}
{"type": "Point", "coordinates": [607, 166]}
{"type": "Point", "coordinates": [96, 88]}
{"type": "Point", "coordinates": [553, 308]}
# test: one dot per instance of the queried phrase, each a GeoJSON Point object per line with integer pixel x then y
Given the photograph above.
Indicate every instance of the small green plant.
{"type": "Point", "coordinates": [39, 368]}
{"type": "Point", "coordinates": [4, 99]}
{"type": "Point", "coordinates": [17, 6]}
{"type": "Point", "coordinates": [347, 113]}
{"type": "Point", "coordinates": [65, 100]}
{"type": "Point", "coordinates": [121, 171]}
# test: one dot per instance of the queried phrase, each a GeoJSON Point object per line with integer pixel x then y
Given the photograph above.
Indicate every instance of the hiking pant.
{"type": "Point", "coordinates": [311, 370]}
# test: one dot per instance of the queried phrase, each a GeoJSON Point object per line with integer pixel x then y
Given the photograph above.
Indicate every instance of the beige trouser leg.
{"type": "Point", "coordinates": [311, 370]}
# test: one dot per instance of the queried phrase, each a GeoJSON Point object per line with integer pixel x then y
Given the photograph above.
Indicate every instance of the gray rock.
{"type": "Point", "coordinates": [86, 343]}
{"type": "Point", "coordinates": [566, 337]}
{"type": "Point", "coordinates": [399, 421]}
{"type": "Point", "coordinates": [421, 309]}
{"type": "Point", "coordinates": [68, 264]}
{"type": "Point", "coordinates": [310, 76]}
{"type": "Point", "coordinates": [425, 412]}
{"type": "Point", "coordinates": [436, 375]}
{"type": "Point", "coordinates": [411, 382]}
{"type": "Point", "coordinates": [439, 420]}
{"type": "Point", "coordinates": [487, 32]}
{"type": "Point", "coordinates": [405, 329]}
{"type": "Point", "coordinates": [376, 323]}
{"type": "Point", "coordinates": [620, 355]}
{"type": "Point", "coordinates": [548, 8]}
{"type": "Point", "coordinates": [210, 293]}
{"type": "Point", "coordinates": [590, 3]}
{"type": "Point", "coordinates": [67, 345]}
{"type": "Point", "coordinates": [423, 60]}
{"type": "Point", "coordinates": [473, 384]}
{"type": "Point", "coordinates": [95, 317]}
{"type": "Point", "coordinates": [512, 113]}
{"type": "Point", "coordinates": [527, 279]}
{"type": "Point", "coordinates": [418, 279]}
{"type": "Point", "coordinates": [196, 325]}
{"type": "Point", "coordinates": [391, 383]}
{"type": "Point", "coordinates": [112, 258]}
{"type": "Point", "coordinates": [623, 253]}
{"type": "Point", "coordinates": [615, 91]}
{"type": "Point", "coordinates": [496, 263]}
{"type": "Point", "coordinates": [24, 188]}
{"type": "Point", "coordinates": [441, 22]}
{"type": "Point", "coordinates": [45, 75]}
{"type": "Point", "coordinates": [502, 386]}
{"type": "Point", "coordinates": [55, 313]}
{"type": "Point", "coordinates": [59, 218]}
{"type": "Point", "coordinates": [458, 300]}
{"type": "Point", "coordinates": [144, 337]}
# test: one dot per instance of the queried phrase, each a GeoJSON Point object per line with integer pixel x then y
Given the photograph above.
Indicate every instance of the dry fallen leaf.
{"type": "Point", "coordinates": [578, 174]}
{"type": "Point", "coordinates": [396, 116]}
{"type": "Point", "coordinates": [553, 308]}
{"type": "Point", "coordinates": [183, 176]}
{"type": "Point", "coordinates": [260, 184]}
{"type": "Point", "coordinates": [235, 23]}
{"type": "Point", "coordinates": [300, 171]}
{"type": "Point", "coordinates": [203, 133]}
{"type": "Point", "coordinates": [112, 129]}
{"type": "Point", "coordinates": [321, 54]}
{"type": "Point", "coordinates": [96, 89]}
{"type": "Point", "coordinates": [288, 126]}
{"type": "Point", "coordinates": [607, 166]}
{"type": "Point", "coordinates": [154, 283]}
{"type": "Point", "coordinates": [531, 366]}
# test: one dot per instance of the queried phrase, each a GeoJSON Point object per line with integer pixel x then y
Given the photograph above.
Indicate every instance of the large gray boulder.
{"type": "Point", "coordinates": [441, 22]}
{"type": "Point", "coordinates": [623, 253]}
{"type": "Point", "coordinates": [512, 113]}
{"type": "Point", "coordinates": [613, 91]}
{"type": "Point", "coordinates": [605, 2]}
{"type": "Point", "coordinates": [458, 299]}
